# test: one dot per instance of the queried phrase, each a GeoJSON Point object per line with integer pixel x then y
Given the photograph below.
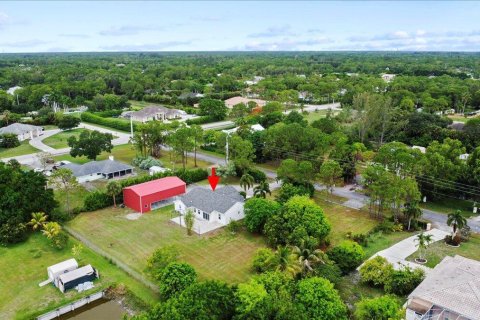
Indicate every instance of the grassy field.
{"type": "Point", "coordinates": [25, 266]}
{"type": "Point", "coordinates": [59, 140]}
{"type": "Point", "coordinates": [315, 115]}
{"type": "Point", "coordinates": [449, 205]}
{"type": "Point", "coordinates": [344, 220]}
{"type": "Point", "coordinates": [439, 250]}
{"type": "Point", "coordinates": [75, 197]}
{"type": "Point", "coordinates": [126, 153]}
{"type": "Point", "coordinates": [23, 148]}
{"type": "Point", "coordinates": [214, 256]}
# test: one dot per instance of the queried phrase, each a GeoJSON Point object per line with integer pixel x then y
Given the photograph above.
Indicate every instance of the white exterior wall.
{"type": "Point", "coordinates": [90, 177]}
{"type": "Point", "coordinates": [234, 213]}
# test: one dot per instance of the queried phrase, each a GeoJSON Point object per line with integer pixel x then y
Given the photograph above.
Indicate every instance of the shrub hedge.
{"type": "Point", "coordinates": [200, 120]}
{"type": "Point", "coordinates": [118, 124]}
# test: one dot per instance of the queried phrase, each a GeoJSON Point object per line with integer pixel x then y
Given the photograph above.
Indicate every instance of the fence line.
{"type": "Point", "coordinates": [71, 306]}
{"type": "Point", "coordinates": [134, 274]}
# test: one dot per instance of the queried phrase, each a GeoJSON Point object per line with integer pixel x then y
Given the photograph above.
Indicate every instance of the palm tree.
{"type": "Point", "coordinates": [457, 221]}
{"type": "Point", "coordinates": [423, 241]}
{"type": "Point", "coordinates": [38, 220]}
{"type": "Point", "coordinates": [6, 117]}
{"type": "Point", "coordinates": [246, 181]}
{"type": "Point", "coordinates": [261, 190]}
{"type": "Point", "coordinates": [114, 188]}
{"type": "Point", "coordinates": [307, 257]}
{"type": "Point", "coordinates": [285, 260]}
{"type": "Point", "coordinates": [51, 230]}
{"type": "Point", "coordinates": [412, 212]}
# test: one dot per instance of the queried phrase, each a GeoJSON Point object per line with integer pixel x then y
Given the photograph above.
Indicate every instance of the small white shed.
{"type": "Point", "coordinates": [156, 169]}
{"type": "Point", "coordinates": [58, 269]}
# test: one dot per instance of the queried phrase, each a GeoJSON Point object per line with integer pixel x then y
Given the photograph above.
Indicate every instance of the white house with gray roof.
{"type": "Point", "coordinates": [94, 170]}
{"type": "Point", "coordinates": [22, 131]}
{"type": "Point", "coordinates": [450, 291]}
{"type": "Point", "coordinates": [216, 207]}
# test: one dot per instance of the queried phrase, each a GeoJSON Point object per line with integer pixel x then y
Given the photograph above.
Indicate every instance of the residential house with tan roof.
{"type": "Point", "coordinates": [236, 100]}
{"type": "Point", "coordinates": [450, 291]}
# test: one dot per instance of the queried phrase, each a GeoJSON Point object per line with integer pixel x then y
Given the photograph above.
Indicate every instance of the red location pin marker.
{"type": "Point", "coordinates": [213, 179]}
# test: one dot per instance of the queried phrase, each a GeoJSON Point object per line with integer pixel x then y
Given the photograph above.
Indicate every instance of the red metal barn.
{"type": "Point", "coordinates": [149, 195]}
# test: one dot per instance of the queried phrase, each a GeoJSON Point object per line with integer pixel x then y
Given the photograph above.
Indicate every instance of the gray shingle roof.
{"type": "Point", "coordinates": [93, 167]}
{"type": "Point", "coordinates": [207, 200]}
{"type": "Point", "coordinates": [19, 128]}
{"type": "Point", "coordinates": [453, 284]}
{"type": "Point", "coordinates": [153, 110]}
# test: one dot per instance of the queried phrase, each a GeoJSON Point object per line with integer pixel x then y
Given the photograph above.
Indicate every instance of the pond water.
{"type": "Point", "coordinates": [101, 309]}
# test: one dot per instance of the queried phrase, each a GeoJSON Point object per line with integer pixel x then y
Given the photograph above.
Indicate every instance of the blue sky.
{"type": "Point", "coordinates": [235, 25]}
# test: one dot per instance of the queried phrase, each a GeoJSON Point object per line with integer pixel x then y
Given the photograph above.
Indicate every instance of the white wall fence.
{"type": "Point", "coordinates": [71, 306]}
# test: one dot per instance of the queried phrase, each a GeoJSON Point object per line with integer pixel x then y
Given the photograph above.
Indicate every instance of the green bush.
{"type": "Point", "coordinates": [264, 260]}
{"type": "Point", "coordinates": [329, 271]}
{"type": "Point", "coordinates": [347, 255]}
{"type": "Point", "coordinates": [160, 259]}
{"type": "Point", "coordinates": [175, 278]}
{"type": "Point", "coordinates": [404, 281]}
{"type": "Point", "coordinates": [12, 232]}
{"type": "Point", "coordinates": [376, 271]}
{"type": "Point", "coordinates": [118, 124]}
{"type": "Point", "coordinates": [200, 120]}
{"type": "Point", "coordinates": [257, 211]}
{"type": "Point", "coordinates": [97, 200]}
{"type": "Point", "coordinates": [9, 140]}
{"type": "Point", "coordinates": [257, 174]}
{"type": "Point", "coordinates": [108, 113]}
{"type": "Point", "coordinates": [380, 308]}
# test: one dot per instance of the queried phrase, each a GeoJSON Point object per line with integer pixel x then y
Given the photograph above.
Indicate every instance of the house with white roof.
{"type": "Point", "coordinates": [216, 208]}
{"type": "Point", "coordinates": [450, 291]}
{"type": "Point", "coordinates": [237, 100]}
{"type": "Point", "coordinates": [13, 89]}
{"type": "Point", "coordinates": [159, 113]}
{"type": "Point", "coordinates": [22, 131]}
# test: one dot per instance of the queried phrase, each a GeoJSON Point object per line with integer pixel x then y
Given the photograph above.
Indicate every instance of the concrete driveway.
{"type": "Point", "coordinates": [398, 253]}
{"type": "Point", "coordinates": [32, 159]}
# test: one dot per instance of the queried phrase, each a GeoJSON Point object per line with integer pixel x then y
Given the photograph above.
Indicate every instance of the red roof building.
{"type": "Point", "coordinates": [150, 195]}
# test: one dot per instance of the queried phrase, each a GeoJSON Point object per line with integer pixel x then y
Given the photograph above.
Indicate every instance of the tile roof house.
{"type": "Point", "coordinates": [23, 131]}
{"type": "Point", "coordinates": [219, 206]}
{"type": "Point", "coordinates": [94, 170]}
{"type": "Point", "coordinates": [236, 100]}
{"type": "Point", "coordinates": [450, 291]}
{"type": "Point", "coordinates": [156, 113]}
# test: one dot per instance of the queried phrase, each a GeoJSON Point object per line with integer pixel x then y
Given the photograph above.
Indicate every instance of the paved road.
{"type": "Point", "coordinates": [32, 159]}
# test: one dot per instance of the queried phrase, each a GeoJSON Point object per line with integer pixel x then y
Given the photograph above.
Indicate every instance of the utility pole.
{"type": "Point", "coordinates": [131, 127]}
{"type": "Point", "coordinates": [226, 149]}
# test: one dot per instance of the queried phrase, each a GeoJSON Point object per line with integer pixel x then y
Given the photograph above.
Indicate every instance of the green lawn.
{"type": "Point", "coordinates": [75, 197]}
{"type": "Point", "coordinates": [344, 220]}
{"type": "Point", "coordinates": [439, 250]}
{"type": "Point", "coordinates": [449, 205]}
{"type": "Point", "coordinates": [59, 140]}
{"type": "Point", "coordinates": [22, 149]}
{"type": "Point", "coordinates": [50, 127]}
{"type": "Point", "coordinates": [214, 256]}
{"type": "Point", "coordinates": [124, 153]}
{"type": "Point", "coordinates": [25, 266]}
{"type": "Point", "coordinates": [380, 241]}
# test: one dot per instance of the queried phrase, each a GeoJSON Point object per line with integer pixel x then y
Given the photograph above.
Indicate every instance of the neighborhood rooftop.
{"type": "Point", "coordinates": [19, 128]}
{"type": "Point", "coordinates": [93, 167]}
{"type": "Point", "coordinates": [153, 110]}
{"type": "Point", "coordinates": [453, 285]}
{"type": "Point", "coordinates": [208, 201]}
